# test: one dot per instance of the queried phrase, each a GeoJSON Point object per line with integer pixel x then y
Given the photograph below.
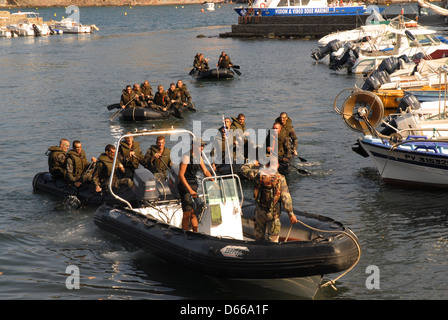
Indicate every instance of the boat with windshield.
{"type": "Point", "coordinates": [224, 245]}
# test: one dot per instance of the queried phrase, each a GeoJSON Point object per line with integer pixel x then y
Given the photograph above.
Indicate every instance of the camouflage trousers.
{"type": "Point", "coordinates": [266, 223]}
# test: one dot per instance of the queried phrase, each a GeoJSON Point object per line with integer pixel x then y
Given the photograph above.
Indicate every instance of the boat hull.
{"type": "Point", "coordinates": [231, 258]}
{"type": "Point", "coordinates": [86, 195]}
{"type": "Point", "coordinates": [310, 11]}
{"type": "Point", "coordinates": [419, 167]}
{"type": "Point", "coordinates": [215, 74]}
{"type": "Point", "coordinates": [145, 114]}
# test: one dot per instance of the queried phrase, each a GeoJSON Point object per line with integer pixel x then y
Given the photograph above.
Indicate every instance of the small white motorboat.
{"type": "Point", "coordinates": [411, 148]}
{"type": "Point", "coordinates": [69, 25]}
{"type": "Point", "coordinates": [407, 40]}
{"type": "Point", "coordinates": [29, 24]}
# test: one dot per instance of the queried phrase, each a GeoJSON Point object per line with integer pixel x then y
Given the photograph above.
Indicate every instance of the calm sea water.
{"type": "Point", "coordinates": [59, 86]}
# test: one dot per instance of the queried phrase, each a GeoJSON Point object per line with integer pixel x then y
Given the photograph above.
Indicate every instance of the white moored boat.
{"type": "Point", "coordinates": [306, 8]}
{"type": "Point", "coordinates": [210, 6]}
{"type": "Point", "coordinates": [406, 39]}
{"type": "Point", "coordinates": [412, 147]}
{"type": "Point", "coordinates": [69, 25]}
{"type": "Point", "coordinates": [29, 24]}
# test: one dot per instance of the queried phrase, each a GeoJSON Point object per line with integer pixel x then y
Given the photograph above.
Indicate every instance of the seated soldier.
{"type": "Point", "coordinates": [57, 158]}
{"type": "Point", "coordinates": [161, 99]}
{"type": "Point", "coordinates": [128, 98]}
{"type": "Point", "coordinates": [104, 170]}
{"type": "Point", "coordinates": [79, 171]}
{"type": "Point", "coordinates": [158, 159]}
{"type": "Point", "coordinates": [147, 94]}
{"type": "Point", "coordinates": [130, 155]}
{"type": "Point", "coordinates": [174, 96]}
{"type": "Point", "coordinates": [185, 96]}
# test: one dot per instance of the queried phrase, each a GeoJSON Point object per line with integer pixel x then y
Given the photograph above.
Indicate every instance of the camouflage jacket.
{"type": "Point", "coordinates": [252, 174]}
{"type": "Point", "coordinates": [157, 165]}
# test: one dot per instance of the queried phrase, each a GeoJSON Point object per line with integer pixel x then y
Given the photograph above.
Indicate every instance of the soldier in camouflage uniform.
{"type": "Point", "coordinates": [288, 131]}
{"type": "Point", "coordinates": [57, 157]}
{"type": "Point", "coordinates": [79, 170]}
{"type": "Point", "coordinates": [158, 159]}
{"type": "Point", "coordinates": [270, 190]}
{"type": "Point", "coordinates": [130, 155]}
{"type": "Point", "coordinates": [104, 169]}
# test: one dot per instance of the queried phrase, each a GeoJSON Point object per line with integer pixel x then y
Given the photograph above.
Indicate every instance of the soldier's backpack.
{"type": "Point", "coordinates": [267, 191]}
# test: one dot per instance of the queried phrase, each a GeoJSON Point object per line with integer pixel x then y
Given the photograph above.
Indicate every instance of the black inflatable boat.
{"type": "Point", "coordinates": [148, 113]}
{"type": "Point", "coordinates": [329, 248]}
{"type": "Point", "coordinates": [82, 196]}
{"type": "Point", "coordinates": [145, 114]}
{"type": "Point", "coordinates": [214, 74]}
{"type": "Point", "coordinates": [224, 245]}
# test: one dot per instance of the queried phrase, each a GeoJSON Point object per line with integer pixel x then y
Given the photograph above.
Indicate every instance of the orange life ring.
{"type": "Point", "coordinates": [262, 5]}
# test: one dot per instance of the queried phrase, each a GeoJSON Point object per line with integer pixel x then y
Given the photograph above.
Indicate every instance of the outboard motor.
{"type": "Point", "coordinates": [331, 46]}
{"type": "Point", "coordinates": [145, 185]}
{"type": "Point", "coordinates": [390, 65]}
{"type": "Point", "coordinates": [375, 80]}
{"type": "Point", "coordinates": [408, 101]}
{"type": "Point", "coordinates": [337, 62]}
{"type": "Point", "coordinates": [36, 31]}
{"type": "Point", "coordinates": [418, 56]}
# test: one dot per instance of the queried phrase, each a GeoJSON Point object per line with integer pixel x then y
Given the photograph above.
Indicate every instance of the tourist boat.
{"type": "Point", "coordinates": [408, 42]}
{"type": "Point", "coordinates": [69, 25]}
{"type": "Point", "coordinates": [269, 8]}
{"type": "Point", "coordinates": [213, 74]}
{"type": "Point", "coordinates": [224, 247]}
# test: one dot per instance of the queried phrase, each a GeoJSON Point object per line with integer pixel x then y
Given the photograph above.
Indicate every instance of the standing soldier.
{"type": "Point", "coordinates": [270, 190]}
{"type": "Point", "coordinates": [57, 157]}
{"type": "Point", "coordinates": [288, 131]}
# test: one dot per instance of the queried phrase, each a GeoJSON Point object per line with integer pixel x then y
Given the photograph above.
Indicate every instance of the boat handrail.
{"type": "Point", "coordinates": [140, 134]}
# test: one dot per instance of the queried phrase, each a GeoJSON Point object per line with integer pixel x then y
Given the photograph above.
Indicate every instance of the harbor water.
{"type": "Point", "coordinates": [59, 87]}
